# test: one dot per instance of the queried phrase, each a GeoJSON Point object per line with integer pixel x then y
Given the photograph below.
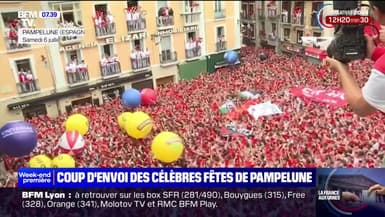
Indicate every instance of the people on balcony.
{"type": "Point", "coordinates": [134, 19]}
{"type": "Point", "coordinates": [221, 44]}
{"type": "Point", "coordinates": [76, 71]}
{"type": "Point", "coordinates": [12, 40]}
{"type": "Point", "coordinates": [104, 23]}
{"type": "Point", "coordinates": [140, 58]}
{"type": "Point", "coordinates": [110, 65]}
{"type": "Point", "coordinates": [26, 81]}
{"type": "Point", "coordinates": [297, 15]}
{"type": "Point", "coordinates": [193, 47]}
{"type": "Point", "coordinates": [272, 9]}
{"type": "Point", "coordinates": [165, 16]}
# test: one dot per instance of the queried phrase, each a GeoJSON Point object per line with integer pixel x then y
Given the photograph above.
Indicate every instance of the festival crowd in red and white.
{"type": "Point", "coordinates": [307, 134]}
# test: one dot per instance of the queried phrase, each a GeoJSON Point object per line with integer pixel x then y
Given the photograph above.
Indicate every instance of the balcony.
{"type": "Point", "coordinates": [191, 19]}
{"type": "Point", "coordinates": [67, 40]}
{"type": "Point", "coordinates": [193, 53]}
{"type": "Point", "coordinates": [272, 13]}
{"type": "Point", "coordinates": [261, 13]}
{"type": "Point", "coordinates": [221, 46]}
{"type": "Point", "coordinates": [219, 14]}
{"type": "Point", "coordinates": [140, 63]}
{"type": "Point", "coordinates": [167, 58]}
{"type": "Point", "coordinates": [286, 19]}
{"type": "Point", "coordinates": [105, 31]}
{"type": "Point", "coordinates": [109, 70]}
{"type": "Point", "coordinates": [136, 25]}
{"type": "Point", "coordinates": [164, 21]}
{"type": "Point", "coordinates": [13, 45]}
{"type": "Point", "coordinates": [78, 76]}
{"type": "Point", "coordinates": [27, 87]}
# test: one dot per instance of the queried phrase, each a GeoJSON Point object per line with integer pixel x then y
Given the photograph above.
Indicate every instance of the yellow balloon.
{"type": "Point", "coordinates": [122, 118]}
{"type": "Point", "coordinates": [167, 147]}
{"type": "Point", "coordinates": [40, 161]}
{"type": "Point", "coordinates": [139, 126]}
{"type": "Point", "coordinates": [77, 122]}
{"type": "Point", "coordinates": [63, 161]}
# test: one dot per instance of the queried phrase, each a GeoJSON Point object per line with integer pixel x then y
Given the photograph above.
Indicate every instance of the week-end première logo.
{"type": "Point", "coordinates": [326, 16]}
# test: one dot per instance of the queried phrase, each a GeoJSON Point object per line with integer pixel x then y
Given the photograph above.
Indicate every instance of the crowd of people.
{"type": "Point", "coordinates": [104, 23]}
{"type": "Point", "coordinates": [307, 134]}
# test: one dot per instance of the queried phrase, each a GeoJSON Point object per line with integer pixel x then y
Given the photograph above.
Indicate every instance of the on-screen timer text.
{"type": "Point", "coordinates": [27, 17]}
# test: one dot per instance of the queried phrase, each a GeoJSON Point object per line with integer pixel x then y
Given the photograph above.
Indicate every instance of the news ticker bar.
{"type": "Point", "coordinates": [165, 177]}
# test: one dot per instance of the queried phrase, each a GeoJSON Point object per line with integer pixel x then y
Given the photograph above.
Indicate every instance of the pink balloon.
{"type": "Point", "coordinates": [148, 96]}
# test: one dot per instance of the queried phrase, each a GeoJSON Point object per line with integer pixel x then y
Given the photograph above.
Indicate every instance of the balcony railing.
{"type": "Point", "coordinates": [164, 21]}
{"type": "Point", "coordinates": [136, 25]}
{"type": "Point", "coordinates": [110, 69]}
{"type": "Point", "coordinates": [28, 86]}
{"type": "Point", "coordinates": [191, 19]}
{"type": "Point", "coordinates": [106, 30]}
{"type": "Point", "coordinates": [221, 45]}
{"type": "Point", "coordinates": [168, 56]}
{"type": "Point", "coordinates": [192, 53]}
{"type": "Point", "coordinates": [65, 40]}
{"type": "Point", "coordinates": [140, 63]}
{"type": "Point", "coordinates": [13, 45]}
{"type": "Point", "coordinates": [246, 16]}
{"type": "Point", "coordinates": [220, 14]}
{"type": "Point", "coordinates": [77, 76]}
{"type": "Point", "coordinates": [191, 10]}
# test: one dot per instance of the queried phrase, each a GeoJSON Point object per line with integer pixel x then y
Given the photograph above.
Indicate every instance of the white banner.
{"type": "Point", "coordinates": [264, 109]}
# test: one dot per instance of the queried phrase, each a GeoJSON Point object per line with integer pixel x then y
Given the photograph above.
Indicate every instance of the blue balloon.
{"type": "Point", "coordinates": [17, 138]}
{"type": "Point", "coordinates": [131, 98]}
{"type": "Point", "coordinates": [231, 57]}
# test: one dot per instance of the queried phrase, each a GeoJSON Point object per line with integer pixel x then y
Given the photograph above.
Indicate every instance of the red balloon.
{"type": "Point", "coordinates": [148, 96]}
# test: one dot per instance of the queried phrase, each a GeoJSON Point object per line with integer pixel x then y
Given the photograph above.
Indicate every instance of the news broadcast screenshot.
{"type": "Point", "coordinates": [192, 109]}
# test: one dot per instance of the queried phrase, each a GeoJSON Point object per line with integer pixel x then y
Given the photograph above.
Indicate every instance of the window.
{"type": "Point", "coordinates": [107, 50]}
{"type": "Point", "coordinates": [315, 8]}
{"type": "Point", "coordinates": [316, 34]}
{"type": "Point", "coordinates": [220, 32]}
{"type": "Point", "coordinates": [132, 3]}
{"type": "Point", "coordinates": [286, 33]}
{"type": "Point", "coordinates": [274, 27]}
{"type": "Point", "coordinates": [101, 7]}
{"type": "Point", "coordinates": [23, 65]}
{"type": "Point", "coordinates": [161, 4]}
{"type": "Point", "coordinates": [165, 43]}
{"type": "Point", "coordinates": [191, 35]}
{"type": "Point", "coordinates": [299, 35]}
{"type": "Point", "coordinates": [69, 12]}
{"type": "Point", "coordinates": [73, 55]}
{"type": "Point", "coordinates": [138, 44]}
{"type": "Point", "coordinates": [217, 5]}
{"type": "Point", "coordinates": [263, 26]}
{"type": "Point", "coordinates": [8, 18]}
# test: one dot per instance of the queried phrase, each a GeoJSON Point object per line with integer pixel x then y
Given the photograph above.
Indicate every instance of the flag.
{"type": "Point", "coordinates": [228, 106]}
{"type": "Point", "coordinates": [248, 95]}
{"type": "Point", "coordinates": [263, 109]}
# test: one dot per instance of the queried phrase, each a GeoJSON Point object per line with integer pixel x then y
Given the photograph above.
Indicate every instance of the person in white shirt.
{"type": "Point", "coordinates": [82, 69]}
{"type": "Point", "coordinates": [141, 58]}
{"type": "Point", "coordinates": [285, 15]}
{"type": "Point", "coordinates": [29, 77]}
{"type": "Point", "coordinates": [97, 25]}
{"type": "Point", "coordinates": [135, 18]}
{"type": "Point", "coordinates": [72, 71]}
{"type": "Point", "coordinates": [22, 80]}
{"type": "Point", "coordinates": [147, 57]}
{"type": "Point", "coordinates": [129, 20]}
{"type": "Point", "coordinates": [134, 60]}
{"type": "Point", "coordinates": [104, 63]}
{"type": "Point", "coordinates": [189, 48]}
{"type": "Point", "coordinates": [111, 24]}
{"type": "Point", "coordinates": [115, 59]}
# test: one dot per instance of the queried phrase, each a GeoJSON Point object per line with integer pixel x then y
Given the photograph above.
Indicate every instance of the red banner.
{"type": "Point", "coordinates": [331, 97]}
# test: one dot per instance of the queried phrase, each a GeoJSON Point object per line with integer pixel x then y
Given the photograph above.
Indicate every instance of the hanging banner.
{"type": "Point", "coordinates": [331, 97]}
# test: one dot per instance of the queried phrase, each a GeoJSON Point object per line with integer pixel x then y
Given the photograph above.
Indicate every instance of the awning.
{"type": "Point", "coordinates": [315, 53]}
